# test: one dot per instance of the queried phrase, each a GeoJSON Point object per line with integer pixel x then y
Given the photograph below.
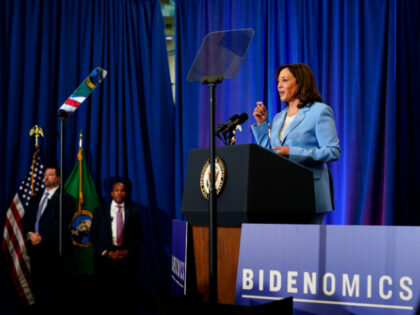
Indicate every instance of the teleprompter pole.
{"type": "Point", "coordinates": [211, 81]}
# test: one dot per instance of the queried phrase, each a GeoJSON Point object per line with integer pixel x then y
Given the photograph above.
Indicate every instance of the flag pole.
{"type": "Point", "coordinates": [80, 158]}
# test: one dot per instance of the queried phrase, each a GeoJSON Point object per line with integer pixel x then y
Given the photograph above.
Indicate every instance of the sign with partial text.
{"type": "Point", "coordinates": [179, 257]}
{"type": "Point", "coordinates": [331, 269]}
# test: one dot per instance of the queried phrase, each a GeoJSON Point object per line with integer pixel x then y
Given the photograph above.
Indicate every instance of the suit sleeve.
{"type": "Point", "coordinates": [95, 231]}
{"type": "Point", "coordinates": [261, 134]}
{"type": "Point", "coordinates": [328, 148]}
{"type": "Point", "coordinates": [50, 233]}
{"type": "Point", "coordinates": [136, 232]}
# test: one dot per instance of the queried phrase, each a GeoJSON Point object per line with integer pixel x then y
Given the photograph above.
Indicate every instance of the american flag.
{"type": "Point", "coordinates": [13, 239]}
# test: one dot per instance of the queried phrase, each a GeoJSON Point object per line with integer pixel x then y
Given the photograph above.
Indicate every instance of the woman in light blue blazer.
{"type": "Point", "coordinates": [304, 132]}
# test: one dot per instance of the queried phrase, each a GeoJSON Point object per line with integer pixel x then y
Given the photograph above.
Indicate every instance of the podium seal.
{"type": "Point", "coordinates": [219, 176]}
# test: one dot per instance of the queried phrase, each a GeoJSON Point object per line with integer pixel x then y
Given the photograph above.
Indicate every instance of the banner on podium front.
{"type": "Point", "coordinates": [331, 269]}
{"type": "Point", "coordinates": [179, 257]}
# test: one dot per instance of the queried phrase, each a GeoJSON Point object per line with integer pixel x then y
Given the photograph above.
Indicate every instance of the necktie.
{"type": "Point", "coordinates": [120, 226]}
{"type": "Point", "coordinates": [40, 208]}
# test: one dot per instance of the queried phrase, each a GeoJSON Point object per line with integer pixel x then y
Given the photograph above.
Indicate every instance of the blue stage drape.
{"type": "Point", "coordinates": [364, 55]}
{"type": "Point", "coordinates": [47, 48]}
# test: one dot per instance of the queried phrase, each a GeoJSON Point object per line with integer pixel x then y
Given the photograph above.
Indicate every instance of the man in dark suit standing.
{"type": "Point", "coordinates": [40, 224]}
{"type": "Point", "coordinates": [116, 235]}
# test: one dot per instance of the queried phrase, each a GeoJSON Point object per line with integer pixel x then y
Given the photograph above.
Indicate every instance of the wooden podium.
{"type": "Point", "coordinates": [227, 263]}
{"type": "Point", "coordinates": [260, 187]}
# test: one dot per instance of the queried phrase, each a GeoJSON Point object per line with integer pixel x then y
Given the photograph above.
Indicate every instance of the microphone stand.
{"type": "Point", "coordinates": [211, 81]}
{"type": "Point", "coordinates": [63, 116]}
{"type": "Point", "coordinates": [227, 136]}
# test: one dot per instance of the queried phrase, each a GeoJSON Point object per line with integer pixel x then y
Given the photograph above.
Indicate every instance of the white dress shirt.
{"type": "Point", "coordinates": [50, 194]}
{"type": "Point", "coordinates": [286, 124]}
{"type": "Point", "coordinates": [114, 210]}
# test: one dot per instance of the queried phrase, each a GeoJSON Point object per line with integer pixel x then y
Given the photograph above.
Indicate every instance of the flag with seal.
{"type": "Point", "coordinates": [82, 187]}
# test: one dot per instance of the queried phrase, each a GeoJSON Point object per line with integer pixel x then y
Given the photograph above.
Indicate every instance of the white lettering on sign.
{"type": "Point", "coordinates": [382, 294]}
{"type": "Point", "coordinates": [405, 283]}
{"type": "Point", "coordinates": [328, 284]}
{"type": "Point", "coordinates": [275, 281]}
{"type": "Point", "coordinates": [352, 285]}
{"type": "Point", "coordinates": [178, 268]}
{"type": "Point", "coordinates": [291, 281]}
{"type": "Point", "coordinates": [247, 275]}
{"type": "Point", "coordinates": [309, 282]}
{"type": "Point", "coordinates": [352, 289]}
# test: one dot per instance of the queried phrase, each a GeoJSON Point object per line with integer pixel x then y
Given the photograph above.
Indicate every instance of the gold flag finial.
{"type": "Point", "coordinates": [37, 131]}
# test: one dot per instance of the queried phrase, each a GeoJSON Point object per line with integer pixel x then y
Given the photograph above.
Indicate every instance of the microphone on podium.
{"type": "Point", "coordinates": [228, 128]}
{"type": "Point", "coordinates": [231, 125]}
{"type": "Point", "coordinates": [222, 126]}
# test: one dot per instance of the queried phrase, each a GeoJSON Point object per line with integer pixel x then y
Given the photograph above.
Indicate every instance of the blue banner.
{"type": "Point", "coordinates": [331, 269]}
{"type": "Point", "coordinates": [179, 257]}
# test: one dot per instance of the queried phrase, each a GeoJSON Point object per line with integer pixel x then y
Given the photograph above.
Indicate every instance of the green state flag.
{"type": "Point", "coordinates": [81, 186]}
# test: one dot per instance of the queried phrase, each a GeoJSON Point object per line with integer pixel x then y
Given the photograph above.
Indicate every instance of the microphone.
{"type": "Point", "coordinates": [223, 125]}
{"type": "Point", "coordinates": [80, 94]}
{"type": "Point", "coordinates": [231, 124]}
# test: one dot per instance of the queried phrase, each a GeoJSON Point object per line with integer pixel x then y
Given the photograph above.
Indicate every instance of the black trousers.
{"type": "Point", "coordinates": [118, 287]}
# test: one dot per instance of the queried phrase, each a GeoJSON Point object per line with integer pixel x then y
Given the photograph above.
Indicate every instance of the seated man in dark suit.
{"type": "Point", "coordinates": [116, 235]}
{"type": "Point", "coordinates": [40, 224]}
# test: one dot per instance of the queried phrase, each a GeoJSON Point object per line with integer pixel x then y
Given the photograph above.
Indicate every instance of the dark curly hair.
{"type": "Point", "coordinates": [307, 92]}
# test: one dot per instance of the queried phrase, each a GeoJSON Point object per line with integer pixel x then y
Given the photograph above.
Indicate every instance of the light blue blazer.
{"type": "Point", "coordinates": [312, 141]}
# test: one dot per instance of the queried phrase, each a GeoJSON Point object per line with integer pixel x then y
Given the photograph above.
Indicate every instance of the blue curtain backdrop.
{"type": "Point", "coordinates": [47, 48]}
{"type": "Point", "coordinates": [364, 55]}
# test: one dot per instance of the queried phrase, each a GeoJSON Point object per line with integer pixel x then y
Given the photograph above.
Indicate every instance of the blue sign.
{"type": "Point", "coordinates": [179, 257]}
{"type": "Point", "coordinates": [331, 269]}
